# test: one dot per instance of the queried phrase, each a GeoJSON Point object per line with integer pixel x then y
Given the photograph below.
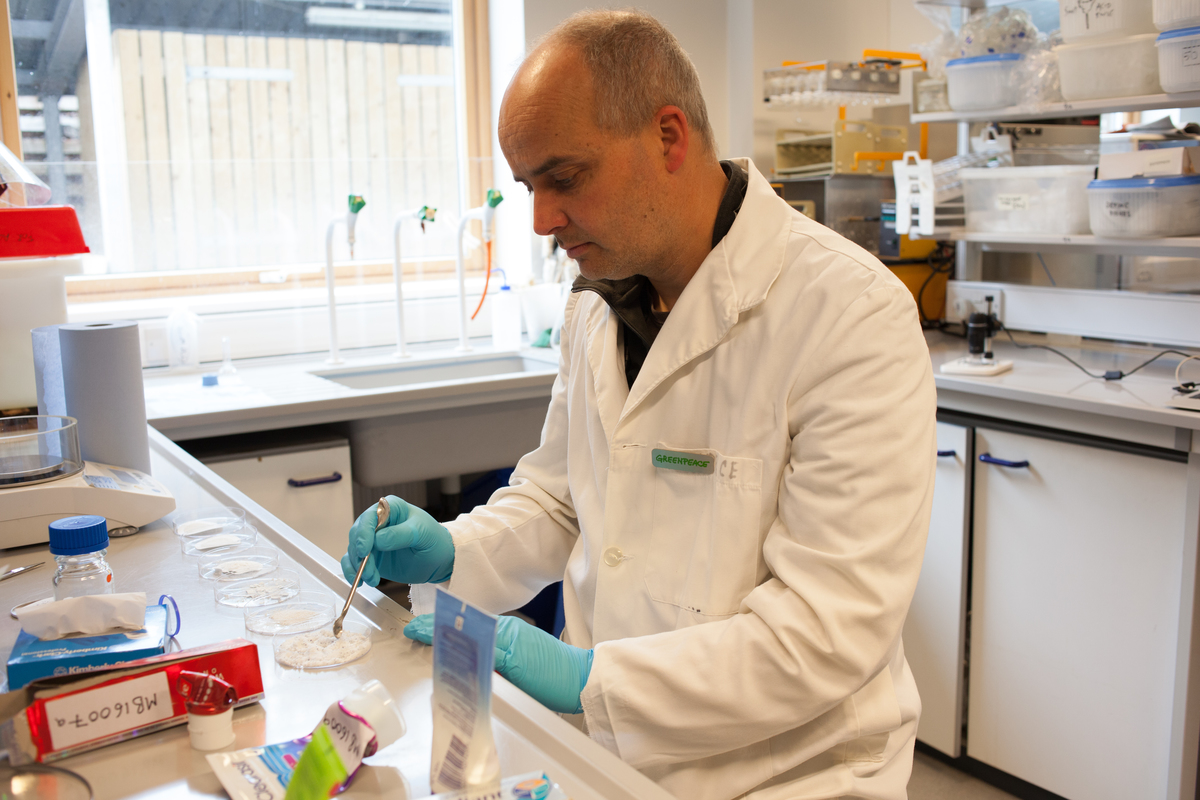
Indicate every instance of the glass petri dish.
{"type": "Point", "coordinates": [318, 650]}
{"type": "Point", "coordinates": [239, 564]}
{"type": "Point", "coordinates": [305, 612]}
{"type": "Point", "coordinates": [270, 589]}
{"type": "Point", "coordinates": [210, 520]}
{"type": "Point", "coordinates": [222, 541]}
{"type": "Point", "coordinates": [40, 781]}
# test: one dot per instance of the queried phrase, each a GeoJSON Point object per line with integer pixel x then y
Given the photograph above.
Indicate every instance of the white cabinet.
{"type": "Point", "coordinates": [1074, 621]}
{"type": "Point", "coordinates": [307, 486]}
{"type": "Point", "coordinates": [934, 630]}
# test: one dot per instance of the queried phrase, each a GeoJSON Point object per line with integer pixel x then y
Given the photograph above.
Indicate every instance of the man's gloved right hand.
{"type": "Point", "coordinates": [411, 548]}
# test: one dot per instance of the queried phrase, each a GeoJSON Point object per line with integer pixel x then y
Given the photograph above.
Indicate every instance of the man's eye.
{"type": "Point", "coordinates": [564, 182]}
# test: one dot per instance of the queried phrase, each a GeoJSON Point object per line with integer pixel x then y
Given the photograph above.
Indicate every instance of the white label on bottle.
{"type": "Point", "coordinates": [1012, 202]}
{"type": "Point", "coordinates": [85, 716]}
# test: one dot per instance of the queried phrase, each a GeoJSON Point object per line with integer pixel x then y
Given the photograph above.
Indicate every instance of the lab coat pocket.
{"type": "Point", "coordinates": [704, 548]}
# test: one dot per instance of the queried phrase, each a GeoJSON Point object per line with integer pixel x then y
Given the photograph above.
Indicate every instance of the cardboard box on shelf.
{"type": "Point", "coordinates": [1149, 163]}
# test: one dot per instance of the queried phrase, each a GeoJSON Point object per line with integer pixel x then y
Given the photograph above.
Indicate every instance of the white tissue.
{"type": "Point", "coordinates": [422, 597]}
{"type": "Point", "coordinates": [98, 613]}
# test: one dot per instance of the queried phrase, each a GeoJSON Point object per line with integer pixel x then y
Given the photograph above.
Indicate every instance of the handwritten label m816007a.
{"type": "Point", "coordinates": [95, 714]}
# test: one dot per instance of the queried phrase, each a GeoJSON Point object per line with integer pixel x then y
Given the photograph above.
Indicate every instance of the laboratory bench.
{"type": "Point", "coordinates": [163, 764]}
{"type": "Point", "coordinates": [1056, 616]}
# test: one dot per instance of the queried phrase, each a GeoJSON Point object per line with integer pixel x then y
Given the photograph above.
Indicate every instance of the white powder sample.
{"type": "Point", "coordinates": [319, 649]}
{"type": "Point", "coordinates": [286, 617]}
{"type": "Point", "coordinates": [220, 540]}
{"type": "Point", "coordinates": [242, 567]}
{"type": "Point", "coordinates": [200, 526]}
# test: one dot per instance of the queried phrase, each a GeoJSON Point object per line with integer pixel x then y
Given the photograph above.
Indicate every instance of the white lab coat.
{"type": "Point", "coordinates": [746, 623]}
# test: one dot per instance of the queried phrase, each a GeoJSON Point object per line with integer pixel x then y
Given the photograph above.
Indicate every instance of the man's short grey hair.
{"type": "Point", "coordinates": [637, 67]}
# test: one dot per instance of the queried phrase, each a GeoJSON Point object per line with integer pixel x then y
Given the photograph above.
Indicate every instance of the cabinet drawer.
{"type": "Point", "coordinates": [1075, 609]}
{"type": "Point", "coordinates": [935, 627]}
{"type": "Point", "coordinates": [310, 490]}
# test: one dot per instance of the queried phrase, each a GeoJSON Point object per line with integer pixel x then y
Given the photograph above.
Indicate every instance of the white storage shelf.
{"type": "Point", "coordinates": [1078, 108]}
{"type": "Point", "coordinates": [1178, 246]}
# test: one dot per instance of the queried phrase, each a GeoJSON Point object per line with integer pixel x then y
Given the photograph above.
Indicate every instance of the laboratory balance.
{"type": "Point", "coordinates": [43, 477]}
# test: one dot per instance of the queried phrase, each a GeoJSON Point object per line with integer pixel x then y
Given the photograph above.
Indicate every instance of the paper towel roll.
{"type": "Point", "coordinates": [47, 370]}
{"type": "Point", "coordinates": [102, 388]}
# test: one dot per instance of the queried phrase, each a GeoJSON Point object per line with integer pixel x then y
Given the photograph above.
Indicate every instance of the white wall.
{"type": "Point", "coordinates": [698, 24]}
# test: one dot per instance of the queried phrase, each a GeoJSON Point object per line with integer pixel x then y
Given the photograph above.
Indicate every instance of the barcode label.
{"type": "Point", "coordinates": [451, 773]}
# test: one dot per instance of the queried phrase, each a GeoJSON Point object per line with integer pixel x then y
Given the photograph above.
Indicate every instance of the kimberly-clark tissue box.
{"type": "Point", "coordinates": [33, 658]}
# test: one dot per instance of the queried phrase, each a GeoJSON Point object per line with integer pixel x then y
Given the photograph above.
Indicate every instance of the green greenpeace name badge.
{"type": "Point", "coordinates": [684, 462]}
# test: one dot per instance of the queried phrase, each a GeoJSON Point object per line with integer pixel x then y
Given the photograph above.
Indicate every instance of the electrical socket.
{"type": "Point", "coordinates": [963, 299]}
{"type": "Point", "coordinates": [154, 342]}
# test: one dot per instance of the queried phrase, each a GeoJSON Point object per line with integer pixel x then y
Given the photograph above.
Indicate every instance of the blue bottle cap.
{"type": "Point", "coordinates": [209, 380]}
{"type": "Point", "coordinates": [74, 536]}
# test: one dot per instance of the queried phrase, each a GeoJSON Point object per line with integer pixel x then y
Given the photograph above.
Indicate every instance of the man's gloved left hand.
{"type": "Point", "coordinates": [549, 671]}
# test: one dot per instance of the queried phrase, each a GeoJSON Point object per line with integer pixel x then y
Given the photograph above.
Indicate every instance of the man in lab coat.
{"type": "Point", "coordinates": [735, 474]}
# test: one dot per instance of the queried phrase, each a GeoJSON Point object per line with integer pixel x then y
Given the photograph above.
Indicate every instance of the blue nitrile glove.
{"type": "Point", "coordinates": [412, 548]}
{"type": "Point", "coordinates": [549, 671]}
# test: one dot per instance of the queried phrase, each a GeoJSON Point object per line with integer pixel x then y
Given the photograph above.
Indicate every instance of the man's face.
{"type": "Point", "coordinates": [593, 191]}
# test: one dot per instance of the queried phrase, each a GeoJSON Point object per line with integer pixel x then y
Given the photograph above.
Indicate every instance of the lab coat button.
{"type": "Point", "coordinates": [613, 556]}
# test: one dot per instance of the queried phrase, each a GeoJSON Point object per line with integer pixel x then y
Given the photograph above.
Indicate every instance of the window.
{"type": "Point", "coordinates": [207, 144]}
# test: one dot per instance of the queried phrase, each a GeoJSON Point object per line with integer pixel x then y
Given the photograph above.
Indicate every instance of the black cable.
{"type": "Point", "coordinates": [1110, 375]}
{"type": "Point", "coordinates": [942, 266]}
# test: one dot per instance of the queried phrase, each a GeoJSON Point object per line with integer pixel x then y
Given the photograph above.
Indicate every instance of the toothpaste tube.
{"type": "Point", "coordinates": [265, 773]}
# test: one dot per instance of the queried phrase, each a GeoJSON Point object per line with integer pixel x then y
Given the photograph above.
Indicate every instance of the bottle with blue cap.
{"type": "Point", "coordinates": [79, 546]}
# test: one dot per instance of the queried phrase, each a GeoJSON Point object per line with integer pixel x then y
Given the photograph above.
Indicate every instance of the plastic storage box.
{"type": "Point", "coordinates": [1172, 14]}
{"type": "Point", "coordinates": [982, 82]}
{"type": "Point", "coordinates": [1088, 19]}
{"type": "Point", "coordinates": [1179, 60]}
{"type": "Point", "coordinates": [1109, 68]}
{"type": "Point", "coordinates": [1027, 199]}
{"type": "Point", "coordinates": [1145, 207]}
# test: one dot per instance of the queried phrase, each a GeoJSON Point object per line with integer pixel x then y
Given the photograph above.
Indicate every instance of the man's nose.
{"type": "Point", "coordinates": [548, 216]}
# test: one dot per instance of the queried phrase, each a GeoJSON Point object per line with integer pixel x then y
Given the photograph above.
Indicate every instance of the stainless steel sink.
{"type": "Point", "coordinates": [445, 370]}
{"type": "Point", "coordinates": [479, 411]}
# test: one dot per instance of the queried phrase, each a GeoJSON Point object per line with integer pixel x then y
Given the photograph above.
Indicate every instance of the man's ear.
{"type": "Point", "coordinates": [674, 136]}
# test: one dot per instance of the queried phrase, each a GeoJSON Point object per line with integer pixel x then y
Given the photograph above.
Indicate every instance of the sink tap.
{"type": "Point", "coordinates": [355, 204]}
{"type": "Point", "coordinates": [423, 214]}
{"type": "Point", "coordinates": [486, 213]}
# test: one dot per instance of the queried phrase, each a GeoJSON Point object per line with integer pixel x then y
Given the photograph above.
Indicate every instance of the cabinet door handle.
{"type": "Point", "coordinates": [988, 458]}
{"type": "Point", "coordinates": [334, 478]}
{"type": "Point", "coordinates": [946, 453]}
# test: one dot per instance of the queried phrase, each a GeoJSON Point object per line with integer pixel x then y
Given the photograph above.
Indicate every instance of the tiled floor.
{"type": "Point", "coordinates": [933, 780]}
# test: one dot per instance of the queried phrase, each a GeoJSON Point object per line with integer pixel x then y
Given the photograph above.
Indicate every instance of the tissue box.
{"type": "Point", "coordinates": [33, 658]}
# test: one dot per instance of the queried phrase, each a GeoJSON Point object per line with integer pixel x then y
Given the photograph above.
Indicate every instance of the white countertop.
{"type": "Point", "coordinates": [284, 392]}
{"type": "Point", "coordinates": [163, 764]}
{"type": "Point", "coordinates": [1044, 379]}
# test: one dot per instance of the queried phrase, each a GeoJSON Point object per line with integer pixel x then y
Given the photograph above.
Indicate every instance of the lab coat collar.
{"type": "Point", "coordinates": [734, 277]}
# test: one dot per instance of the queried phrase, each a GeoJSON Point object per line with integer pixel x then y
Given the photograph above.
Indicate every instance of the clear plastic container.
{"type": "Point", "coordinates": [38, 449]}
{"type": "Point", "coordinates": [222, 541]}
{"type": "Point", "coordinates": [269, 589]}
{"type": "Point", "coordinates": [982, 82]}
{"type": "Point", "coordinates": [506, 319]}
{"type": "Point", "coordinates": [1179, 60]}
{"type": "Point", "coordinates": [239, 564]}
{"type": "Point", "coordinates": [1145, 207]}
{"type": "Point", "coordinates": [1082, 20]}
{"type": "Point", "coordinates": [1172, 14]}
{"type": "Point", "coordinates": [208, 520]}
{"type": "Point", "coordinates": [80, 546]}
{"type": "Point", "coordinates": [1027, 199]}
{"type": "Point", "coordinates": [305, 612]}
{"type": "Point", "coordinates": [1109, 68]}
